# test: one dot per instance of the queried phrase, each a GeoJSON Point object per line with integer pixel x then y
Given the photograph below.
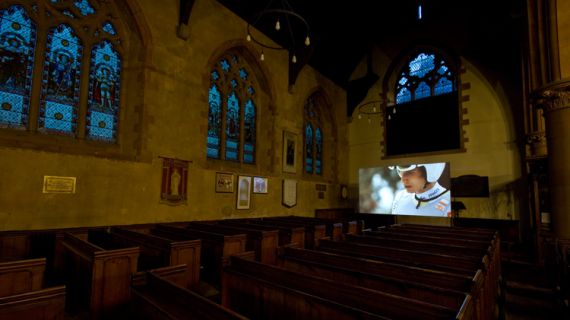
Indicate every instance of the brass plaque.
{"type": "Point", "coordinates": [54, 184]}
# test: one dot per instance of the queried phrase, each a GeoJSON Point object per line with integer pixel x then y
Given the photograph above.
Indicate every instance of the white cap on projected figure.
{"type": "Point", "coordinates": [422, 194]}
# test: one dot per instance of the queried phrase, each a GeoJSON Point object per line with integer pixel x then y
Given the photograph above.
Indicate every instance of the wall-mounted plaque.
{"type": "Point", "coordinates": [289, 193]}
{"type": "Point", "coordinates": [174, 181]}
{"type": "Point", "coordinates": [54, 184]}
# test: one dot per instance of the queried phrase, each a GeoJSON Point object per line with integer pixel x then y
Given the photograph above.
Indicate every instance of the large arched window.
{"type": "Point", "coordinates": [426, 115]}
{"type": "Point", "coordinates": [313, 135]}
{"type": "Point", "coordinates": [232, 110]}
{"type": "Point", "coordinates": [76, 53]}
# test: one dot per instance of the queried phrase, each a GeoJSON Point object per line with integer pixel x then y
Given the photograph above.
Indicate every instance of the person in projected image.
{"type": "Point", "coordinates": [422, 194]}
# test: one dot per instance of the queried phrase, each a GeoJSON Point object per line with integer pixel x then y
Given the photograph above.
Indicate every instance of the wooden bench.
{"type": "Point", "coordinates": [287, 235]}
{"type": "Point", "coordinates": [334, 230]}
{"type": "Point", "coordinates": [45, 304]}
{"type": "Point", "coordinates": [158, 295]}
{"type": "Point", "coordinates": [262, 291]}
{"type": "Point", "coordinates": [262, 242]}
{"type": "Point", "coordinates": [215, 246]}
{"type": "Point", "coordinates": [161, 252]}
{"type": "Point", "coordinates": [348, 226]}
{"type": "Point", "coordinates": [313, 232]}
{"type": "Point", "coordinates": [97, 279]}
{"type": "Point", "coordinates": [21, 276]}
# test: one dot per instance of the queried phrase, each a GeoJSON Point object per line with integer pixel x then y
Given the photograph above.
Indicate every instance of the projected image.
{"type": "Point", "coordinates": [411, 189]}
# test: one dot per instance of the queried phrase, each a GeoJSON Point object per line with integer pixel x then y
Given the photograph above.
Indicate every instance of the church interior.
{"type": "Point", "coordinates": [227, 159]}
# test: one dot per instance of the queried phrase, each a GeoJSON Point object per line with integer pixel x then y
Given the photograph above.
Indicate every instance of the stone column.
{"type": "Point", "coordinates": [555, 99]}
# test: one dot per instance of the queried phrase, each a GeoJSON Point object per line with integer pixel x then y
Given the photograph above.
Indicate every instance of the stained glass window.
{"type": "Point", "coordinates": [104, 92]}
{"type": "Point", "coordinates": [17, 47]}
{"type": "Point", "coordinates": [84, 7]}
{"type": "Point", "coordinates": [425, 75]}
{"type": "Point", "coordinates": [313, 134]}
{"type": "Point", "coordinates": [60, 81]}
{"type": "Point", "coordinates": [232, 111]}
{"type": "Point", "coordinates": [108, 27]}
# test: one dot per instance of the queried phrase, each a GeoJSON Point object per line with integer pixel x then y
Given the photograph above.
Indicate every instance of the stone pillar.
{"type": "Point", "coordinates": [555, 99]}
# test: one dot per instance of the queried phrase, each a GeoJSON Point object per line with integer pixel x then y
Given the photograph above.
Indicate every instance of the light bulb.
{"type": "Point", "coordinates": [262, 56]}
{"type": "Point", "coordinates": [359, 116]}
{"type": "Point", "coordinates": [248, 37]}
{"type": "Point", "coordinates": [307, 41]}
{"type": "Point", "coordinates": [389, 117]}
{"type": "Point", "coordinates": [394, 110]}
{"type": "Point", "coordinates": [373, 109]}
{"type": "Point", "coordinates": [277, 25]}
{"type": "Point", "coordinates": [294, 59]}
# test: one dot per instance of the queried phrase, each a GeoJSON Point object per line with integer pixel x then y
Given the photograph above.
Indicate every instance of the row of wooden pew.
{"type": "Point", "coordinates": [276, 268]}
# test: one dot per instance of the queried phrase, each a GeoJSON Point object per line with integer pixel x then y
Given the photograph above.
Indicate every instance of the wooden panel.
{"type": "Point", "coordinates": [45, 304]}
{"type": "Point", "coordinates": [21, 276]}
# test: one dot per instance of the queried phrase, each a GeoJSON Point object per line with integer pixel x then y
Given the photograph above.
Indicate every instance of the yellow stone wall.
{"type": "Point", "coordinates": [174, 124]}
{"type": "Point", "coordinates": [563, 9]}
{"type": "Point", "coordinates": [490, 150]}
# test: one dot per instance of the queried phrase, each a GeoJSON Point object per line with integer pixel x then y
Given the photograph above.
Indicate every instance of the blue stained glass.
{"type": "Point", "coordinates": [17, 45]}
{"type": "Point", "coordinates": [250, 90]}
{"type": "Point", "coordinates": [249, 132]}
{"type": "Point", "coordinates": [235, 59]}
{"type": "Point", "coordinates": [84, 7]}
{"type": "Point", "coordinates": [309, 149]}
{"type": "Point", "coordinates": [242, 74]}
{"type": "Point", "coordinates": [215, 75]}
{"type": "Point", "coordinates": [442, 86]}
{"type": "Point", "coordinates": [422, 91]}
{"type": "Point", "coordinates": [421, 65]}
{"type": "Point", "coordinates": [442, 70]}
{"type": "Point", "coordinates": [104, 92]}
{"type": "Point", "coordinates": [403, 96]}
{"type": "Point", "coordinates": [225, 65]}
{"type": "Point", "coordinates": [234, 83]}
{"type": "Point", "coordinates": [60, 80]}
{"type": "Point", "coordinates": [319, 155]}
{"type": "Point", "coordinates": [108, 27]}
{"type": "Point", "coordinates": [214, 123]}
{"type": "Point", "coordinates": [403, 80]}
{"type": "Point", "coordinates": [232, 127]}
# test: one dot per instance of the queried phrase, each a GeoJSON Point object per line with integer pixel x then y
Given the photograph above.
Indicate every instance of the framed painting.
{"type": "Point", "coordinates": [243, 192]}
{"type": "Point", "coordinates": [224, 182]}
{"type": "Point", "coordinates": [289, 152]}
{"type": "Point", "coordinates": [259, 185]}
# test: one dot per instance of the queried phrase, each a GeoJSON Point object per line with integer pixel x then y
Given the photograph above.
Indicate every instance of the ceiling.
{"type": "Point", "coordinates": [487, 32]}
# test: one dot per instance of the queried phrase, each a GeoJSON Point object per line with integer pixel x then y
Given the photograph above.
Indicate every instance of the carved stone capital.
{"type": "Point", "coordinates": [536, 144]}
{"type": "Point", "coordinates": [554, 96]}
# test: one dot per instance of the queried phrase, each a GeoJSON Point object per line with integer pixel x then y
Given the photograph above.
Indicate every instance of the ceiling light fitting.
{"type": "Point", "coordinates": [295, 28]}
{"type": "Point", "coordinates": [376, 108]}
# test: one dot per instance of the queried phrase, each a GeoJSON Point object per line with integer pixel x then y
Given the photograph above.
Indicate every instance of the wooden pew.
{"type": "Point", "coordinates": [20, 276]}
{"type": "Point", "coordinates": [334, 230]}
{"type": "Point", "coordinates": [313, 232]}
{"type": "Point", "coordinates": [418, 245]}
{"type": "Point", "coordinates": [98, 279]}
{"type": "Point", "coordinates": [262, 242]}
{"type": "Point", "coordinates": [215, 246]}
{"type": "Point", "coordinates": [462, 265]}
{"type": "Point", "coordinates": [403, 234]}
{"type": "Point", "coordinates": [401, 287]}
{"type": "Point", "coordinates": [161, 252]}
{"type": "Point", "coordinates": [262, 291]}
{"type": "Point", "coordinates": [287, 235]}
{"type": "Point", "coordinates": [156, 295]}
{"type": "Point", "coordinates": [44, 304]}
{"type": "Point", "coordinates": [348, 226]}
{"type": "Point", "coordinates": [434, 278]}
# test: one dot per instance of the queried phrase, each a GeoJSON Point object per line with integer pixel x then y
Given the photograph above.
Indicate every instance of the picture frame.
{"type": "Point", "coordinates": [174, 182]}
{"type": "Point", "coordinates": [224, 182]}
{"type": "Point", "coordinates": [243, 199]}
{"type": "Point", "coordinates": [289, 152]}
{"type": "Point", "coordinates": [259, 185]}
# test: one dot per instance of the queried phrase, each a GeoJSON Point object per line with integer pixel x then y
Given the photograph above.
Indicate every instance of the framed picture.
{"type": "Point", "coordinates": [243, 192]}
{"type": "Point", "coordinates": [224, 182]}
{"type": "Point", "coordinates": [259, 185]}
{"type": "Point", "coordinates": [289, 152]}
{"type": "Point", "coordinates": [174, 181]}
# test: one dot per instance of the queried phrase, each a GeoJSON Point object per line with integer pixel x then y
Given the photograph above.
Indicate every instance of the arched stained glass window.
{"type": "Point", "coordinates": [60, 81]}
{"type": "Point", "coordinates": [232, 111]}
{"type": "Point", "coordinates": [313, 135]}
{"type": "Point", "coordinates": [425, 75]}
{"type": "Point", "coordinates": [64, 58]}
{"type": "Point", "coordinates": [309, 149]}
{"type": "Point", "coordinates": [17, 47]}
{"type": "Point", "coordinates": [104, 92]}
